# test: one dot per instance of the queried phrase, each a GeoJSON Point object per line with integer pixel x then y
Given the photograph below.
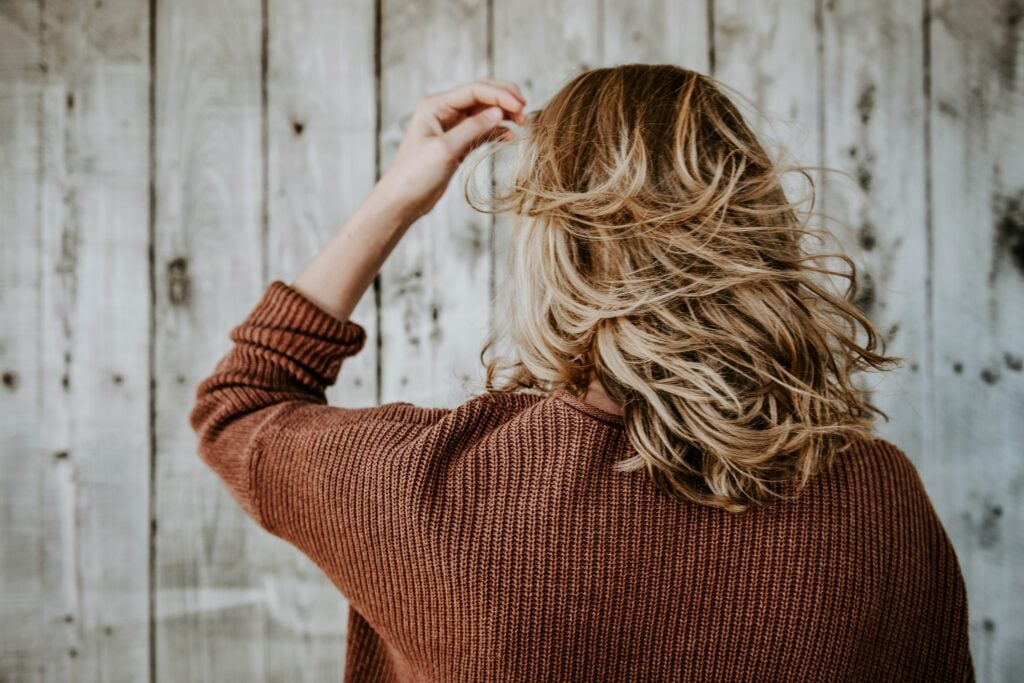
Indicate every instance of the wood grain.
{"type": "Point", "coordinates": [35, 576]}
{"type": "Point", "coordinates": [434, 287]}
{"type": "Point", "coordinates": [975, 466]}
{"type": "Point", "coordinates": [541, 46]}
{"type": "Point", "coordinates": [656, 32]}
{"type": "Point", "coordinates": [768, 53]}
{"type": "Point", "coordinates": [216, 570]}
{"type": "Point", "coordinates": [265, 128]}
{"type": "Point", "coordinates": [874, 134]}
{"type": "Point", "coordinates": [321, 149]}
{"type": "Point", "coordinates": [321, 135]}
{"type": "Point", "coordinates": [75, 341]}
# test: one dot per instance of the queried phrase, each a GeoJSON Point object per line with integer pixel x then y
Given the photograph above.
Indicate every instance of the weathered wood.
{"type": "Point", "coordinates": [656, 31]}
{"type": "Point", "coordinates": [874, 132]}
{"type": "Point", "coordinates": [768, 53]}
{"type": "Point", "coordinates": [434, 287]}
{"type": "Point", "coordinates": [252, 175]}
{"type": "Point", "coordinates": [217, 607]}
{"type": "Point", "coordinates": [541, 46]}
{"type": "Point", "coordinates": [321, 129]}
{"type": "Point", "coordinates": [76, 309]}
{"type": "Point", "coordinates": [321, 143]}
{"type": "Point", "coordinates": [33, 569]}
{"type": "Point", "coordinates": [975, 459]}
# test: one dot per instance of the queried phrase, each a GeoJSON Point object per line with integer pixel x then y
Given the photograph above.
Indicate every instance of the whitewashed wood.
{"type": "Point", "coordinates": [95, 250]}
{"type": "Point", "coordinates": [321, 135]}
{"type": "Point", "coordinates": [976, 461]}
{"type": "Point", "coordinates": [434, 287]}
{"type": "Point", "coordinates": [322, 118]}
{"type": "Point", "coordinates": [33, 591]}
{"type": "Point", "coordinates": [768, 53]}
{"type": "Point", "coordinates": [874, 123]}
{"type": "Point", "coordinates": [656, 31]}
{"type": "Point", "coordinates": [217, 571]}
{"type": "Point", "coordinates": [76, 290]}
{"type": "Point", "coordinates": [541, 46]}
{"type": "Point", "coordinates": [233, 603]}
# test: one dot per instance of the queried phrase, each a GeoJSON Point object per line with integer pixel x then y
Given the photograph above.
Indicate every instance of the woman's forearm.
{"type": "Point", "coordinates": [442, 130]}
{"type": "Point", "coordinates": [340, 273]}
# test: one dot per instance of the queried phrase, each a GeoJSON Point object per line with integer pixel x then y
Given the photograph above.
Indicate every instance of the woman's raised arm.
{"type": "Point", "coordinates": [444, 128]}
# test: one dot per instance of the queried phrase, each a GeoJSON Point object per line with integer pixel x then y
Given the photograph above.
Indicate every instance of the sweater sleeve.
{"type": "Point", "coordinates": [927, 596]}
{"type": "Point", "coordinates": [315, 475]}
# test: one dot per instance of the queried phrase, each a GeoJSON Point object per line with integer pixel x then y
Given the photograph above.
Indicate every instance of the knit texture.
{"type": "Point", "coordinates": [494, 542]}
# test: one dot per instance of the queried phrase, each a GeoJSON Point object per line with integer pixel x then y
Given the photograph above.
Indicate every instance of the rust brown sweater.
{"type": "Point", "coordinates": [494, 542]}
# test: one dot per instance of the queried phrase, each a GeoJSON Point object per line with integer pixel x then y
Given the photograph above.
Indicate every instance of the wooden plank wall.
{"type": "Point", "coordinates": [160, 161]}
{"type": "Point", "coordinates": [74, 342]}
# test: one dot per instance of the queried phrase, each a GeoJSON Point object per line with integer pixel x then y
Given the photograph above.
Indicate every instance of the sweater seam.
{"type": "Point", "coordinates": [584, 408]}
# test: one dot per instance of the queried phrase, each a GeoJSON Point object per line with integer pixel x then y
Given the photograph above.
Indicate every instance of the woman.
{"type": "Point", "coordinates": [673, 477]}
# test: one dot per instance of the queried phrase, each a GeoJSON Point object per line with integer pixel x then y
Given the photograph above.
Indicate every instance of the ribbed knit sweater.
{"type": "Point", "coordinates": [493, 541]}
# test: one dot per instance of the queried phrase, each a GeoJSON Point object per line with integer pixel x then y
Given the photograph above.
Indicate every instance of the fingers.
{"type": "Point", "coordinates": [508, 85]}
{"type": "Point", "coordinates": [482, 92]}
{"type": "Point", "coordinates": [472, 130]}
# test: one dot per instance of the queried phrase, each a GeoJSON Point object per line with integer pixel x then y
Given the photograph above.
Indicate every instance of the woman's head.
{"type": "Point", "coordinates": [655, 248]}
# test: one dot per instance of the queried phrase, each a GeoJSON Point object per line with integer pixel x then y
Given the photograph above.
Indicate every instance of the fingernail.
{"type": "Point", "coordinates": [493, 114]}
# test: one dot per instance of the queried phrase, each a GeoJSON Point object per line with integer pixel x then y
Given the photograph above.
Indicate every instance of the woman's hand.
{"type": "Point", "coordinates": [444, 128]}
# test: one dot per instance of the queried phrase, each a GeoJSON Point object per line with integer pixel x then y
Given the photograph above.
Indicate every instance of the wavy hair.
{"type": "Point", "coordinates": [655, 249]}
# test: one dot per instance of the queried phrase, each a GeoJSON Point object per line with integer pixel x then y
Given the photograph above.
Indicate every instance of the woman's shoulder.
{"type": "Point", "coordinates": [510, 403]}
{"type": "Point", "coordinates": [875, 479]}
{"type": "Point", "coordinates": [879, 462]}
{"type": "Point", "coordinates": [492, 406]}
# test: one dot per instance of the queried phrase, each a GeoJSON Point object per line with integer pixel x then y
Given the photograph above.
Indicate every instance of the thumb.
{"type": "Point", "coordinates": [468, 131]}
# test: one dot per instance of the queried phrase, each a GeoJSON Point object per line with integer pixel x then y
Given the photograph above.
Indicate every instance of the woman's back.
{"type": "Point", "coordinates": [737, 520]}
{"type": "Point", "coordinates": [495, 541]}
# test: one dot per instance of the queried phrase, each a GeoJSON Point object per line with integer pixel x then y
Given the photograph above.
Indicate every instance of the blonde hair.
{"type": "Point", "coordinates": [655, 247]}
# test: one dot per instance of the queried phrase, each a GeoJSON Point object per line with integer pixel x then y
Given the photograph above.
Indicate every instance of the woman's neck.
{"type": "Point", "coordinates": [598, 397]}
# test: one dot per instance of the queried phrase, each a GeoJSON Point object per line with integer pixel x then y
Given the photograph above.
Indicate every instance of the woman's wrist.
{"type": "Point", "coordinates": [388, 197]}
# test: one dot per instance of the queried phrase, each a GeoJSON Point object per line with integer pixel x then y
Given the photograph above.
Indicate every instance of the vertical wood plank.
{"type": "Point", "coordinates": [656, 31]}
{"type": "Point", "coordinates": [874, 129]}
{"type": "Point", "coordinates": [573, 37]}
{"type": "Point", "coordinates": [76, 281]}
{"type": "Point", "coordinates": [321, 142]}
{"type": "Point", "coordinates": [216, 609]}
{"type": "Point", "coordinates": [33, 572]}
{"type": "Point", "coordinates": [322, 111]}
{"type": "Point", "coordinates": [96, 201]}
{"type": "Point", "coordinates": [234, 603]}
{"type": "Point", "coordinates": [434, 287]}
{"type": "Point", "coordinates": [768, 52]}
{"type": "Point", "coordinates": [976, 461]}
{"type": "Point", "coordinates": [564, 39]}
